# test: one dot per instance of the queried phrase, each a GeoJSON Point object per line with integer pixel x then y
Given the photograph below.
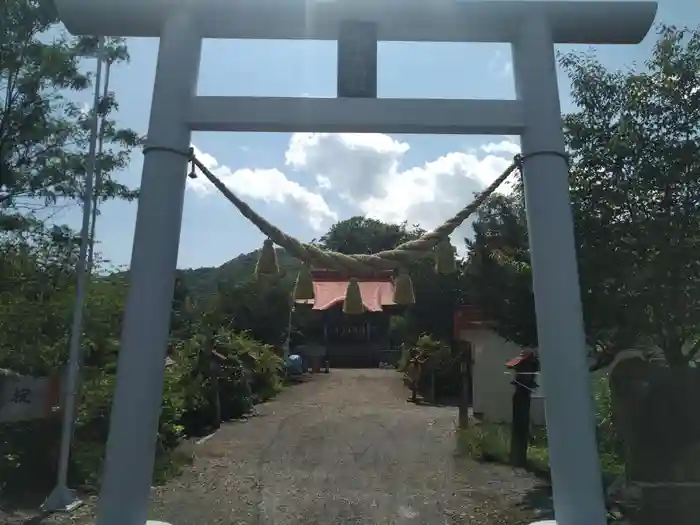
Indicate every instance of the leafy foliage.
{"type": "Point", "coordinates": [439, 362]}
{"type": "Point", "coordinates": [636, 187]}
{"type": "Point", "coordinates": [43, 131]}
{"type": "Point", "coordinates": [35, 305]}
{"type": "Point", "coordinates": [635, 182]}
{"type": "Point", "coordinates": [44, 136]}
{"type": "Point", "coordinates": [364, 235]}
{"type": "Point", "coordinates": [497, 274]}
{"type": "Point", "coordinates": [263, 310]}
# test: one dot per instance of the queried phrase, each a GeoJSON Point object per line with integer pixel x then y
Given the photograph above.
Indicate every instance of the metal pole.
{"type": "Point", "coordinates": [98, 172]}
{"type": "Point", "coordinates": [63, 498]}
{"type": "Point", "coordinates": [573, 453]}
{"type": "Point", "coordinates": [133, 431]}
{"type": "Point", "coordinates": [288, 339]}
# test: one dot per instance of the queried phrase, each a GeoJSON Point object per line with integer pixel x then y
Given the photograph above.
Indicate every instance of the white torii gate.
{"type": "Point", "coordinates": [532, 27]}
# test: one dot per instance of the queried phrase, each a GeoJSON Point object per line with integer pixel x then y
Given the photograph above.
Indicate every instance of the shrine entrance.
{"type": "Point", "coordinates": [350, 341]}
{"type": "Point", "coordinates": [531, 27]}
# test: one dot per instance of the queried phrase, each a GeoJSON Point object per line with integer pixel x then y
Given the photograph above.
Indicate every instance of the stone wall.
{"type": "Point", "coordinates": [656, 411]}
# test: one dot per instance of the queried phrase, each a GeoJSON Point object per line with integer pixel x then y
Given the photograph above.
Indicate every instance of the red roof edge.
{"type": "Point", "coordinates": [335, 276]}
{"type": "Point", "coordinates": [524, 356]}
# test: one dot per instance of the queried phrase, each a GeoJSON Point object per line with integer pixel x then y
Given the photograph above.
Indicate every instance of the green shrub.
{"type": "Point", "coordinates": [485, 442]}
{"type": "Point", "coordinates": [235, 391]}
{"type": "Point", "coordinates": [611, 454]}
{"type": "Point", "coordinates": [249, 360]}
{"type": "Point", "coordinates": [491, 442]}
{"type": "Point", "coordinates": [36, 299]}
{"type": "Point", "coordinates": [441, 362]}
{"type": "Point", "coordinates": [28, 456]}
{"type": "Point", "coordinates": [607, 437]}
{"type": "Point", "coordinates": [190, 358]}
{"type": "Point", "coordinates": [399, 332]}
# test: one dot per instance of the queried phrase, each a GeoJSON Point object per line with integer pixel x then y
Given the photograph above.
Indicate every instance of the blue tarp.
{"type": "Point", "coordinates": [295, 365]}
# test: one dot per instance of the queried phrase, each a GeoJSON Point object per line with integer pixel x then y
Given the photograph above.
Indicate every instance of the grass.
{"type": "Point", "coordinates": [490, 442]}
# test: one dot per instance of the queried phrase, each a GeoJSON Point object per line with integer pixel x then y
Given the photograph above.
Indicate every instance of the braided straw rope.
{"type": "Point", "coordinates": [357, 264]}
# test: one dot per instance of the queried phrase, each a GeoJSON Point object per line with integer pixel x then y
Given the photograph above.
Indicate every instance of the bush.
{"type": "Point", "coordinates": [607, 436]}
{"type": "Point", "coordinates": [440, 361]}
{"type": "Point", "coordinates": [252, 372]}
{"type": "Point", "coordinates": [491, 442]}
{"type": "Point", "coordinates": [28, 456]}
{"type": "Point", "coordinates": [251, 361]}
{"type": "Point", "coordinates": [199, 414]}
{"type": "Point", "coordinates": [36, 300]}
{"type": "Point", "coordinates": [399, 332]}
{"type": "Point", "coordinates": [485, 442]}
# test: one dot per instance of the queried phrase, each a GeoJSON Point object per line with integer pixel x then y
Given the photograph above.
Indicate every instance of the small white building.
{"type": "Point", "coordinates": [492, 388]}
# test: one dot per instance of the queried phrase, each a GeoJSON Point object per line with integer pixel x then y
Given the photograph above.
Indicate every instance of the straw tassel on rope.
{"type": "Point", "coordinates": [267, 265]}
{"type": "Point", "coordinates": [353, 299]}
{"type": "Point", "coordinates": [445, 263]}
{"type": "Point", "coordinates": [403, 289]}
{"type": "Point", "coordinates": [304, 286]}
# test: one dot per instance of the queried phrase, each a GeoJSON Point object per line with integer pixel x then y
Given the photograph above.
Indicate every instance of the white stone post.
{"type": "Point", "coordinates": [574, 461]}
{"type": "Point", "coordinates": [137, 400]}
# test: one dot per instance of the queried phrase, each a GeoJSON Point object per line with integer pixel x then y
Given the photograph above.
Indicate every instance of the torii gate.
{"type": "Point", "coordinates": [531, 27]}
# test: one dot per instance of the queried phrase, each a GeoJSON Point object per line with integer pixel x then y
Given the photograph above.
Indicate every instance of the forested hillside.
{"type": "Point", "coordinates": [203, 282]}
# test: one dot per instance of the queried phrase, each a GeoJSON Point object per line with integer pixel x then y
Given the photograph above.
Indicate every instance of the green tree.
{"type": "Point", "coordinates": [44, 131]}
{"type": "Point", "coordinates": [259, 309]}
{"type": "Point", "coordinates": [182, 313]}
{"type": "Point", "coordinates": [497, 275]}
{"type": "Point", "coordinates": [635, 188]}
{"type": "Point", "coordinates": [44, 136]}
{"type": "Point", "coordinates": [363, 235]}
{"type": "Point", "coordinates": [635, 184]}
{"type": "Point", "coordinates": [38, 273]}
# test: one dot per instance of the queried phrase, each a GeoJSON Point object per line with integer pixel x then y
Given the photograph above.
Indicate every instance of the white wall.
{"type": "Point", "coordinates": [493, 391]}
{"type": "Point", "coordinates": [537, 404]}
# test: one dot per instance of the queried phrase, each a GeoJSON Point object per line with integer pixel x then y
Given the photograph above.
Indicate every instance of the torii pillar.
{"type": "Point", "coordinates": [532, 27]}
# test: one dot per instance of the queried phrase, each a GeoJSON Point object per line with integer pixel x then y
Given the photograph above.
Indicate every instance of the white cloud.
{"type": "Point", "coordinates": [505, 146]}
{"type": "Point", "coordinates": [268, 185]}
{"type": "Point", "coordinates": [364, 169]}
{"type": "Point", "coordinates": [354, 163]}
{"type": "Point", "coordinates": [323, 183]}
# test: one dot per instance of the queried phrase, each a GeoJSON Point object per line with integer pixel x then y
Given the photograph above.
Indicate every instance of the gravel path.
{"type": "Point", "coordinates": [345, 448]}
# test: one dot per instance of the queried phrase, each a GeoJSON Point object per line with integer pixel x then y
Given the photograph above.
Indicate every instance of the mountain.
{"type": "Point", "coordinates": [202, 282]}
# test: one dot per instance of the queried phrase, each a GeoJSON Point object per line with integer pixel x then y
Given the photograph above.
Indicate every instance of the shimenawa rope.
{"type": "Point", "coordinates": [356, 264]}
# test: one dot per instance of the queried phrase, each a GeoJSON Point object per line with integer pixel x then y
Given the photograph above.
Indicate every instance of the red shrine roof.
{"type": "Point", "coordinates": [330, 288]}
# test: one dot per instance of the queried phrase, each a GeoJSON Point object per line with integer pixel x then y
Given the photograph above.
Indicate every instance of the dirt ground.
{"type": "Point", "coordinates": [344, 448]}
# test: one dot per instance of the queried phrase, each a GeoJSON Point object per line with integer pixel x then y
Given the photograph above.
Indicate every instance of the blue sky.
{"type": "Point", "coordinates": [304, 182]}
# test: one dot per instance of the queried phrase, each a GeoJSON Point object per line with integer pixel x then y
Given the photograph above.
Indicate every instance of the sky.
{"type": "Point", "coordinates": [304, 182]}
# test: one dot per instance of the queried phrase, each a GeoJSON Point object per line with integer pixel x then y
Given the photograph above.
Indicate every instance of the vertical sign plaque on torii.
{"type": "Point", "coordinates": [357, 59]}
